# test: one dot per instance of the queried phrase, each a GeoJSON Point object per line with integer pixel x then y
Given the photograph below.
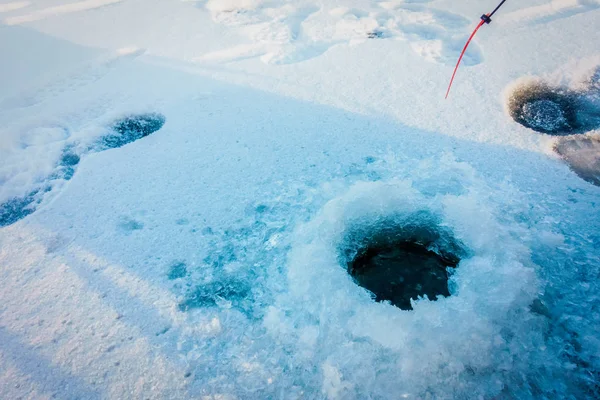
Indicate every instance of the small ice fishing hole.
{"type": "Point", "coordinates": [543, 108]}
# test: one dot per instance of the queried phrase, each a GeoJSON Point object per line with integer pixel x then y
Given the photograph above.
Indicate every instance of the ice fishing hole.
{"type": "Point", "coordinates": [556, 110]}
{"type": "Point", "coordinates": [543, 108]}
{"type": "Point", "coordinates": [397, 263]}
{"type": "Point", "coordinates": [131, 128]}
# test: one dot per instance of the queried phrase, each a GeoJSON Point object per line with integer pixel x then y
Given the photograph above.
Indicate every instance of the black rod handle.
{"type": "Point", "coordinates": [496, 9]}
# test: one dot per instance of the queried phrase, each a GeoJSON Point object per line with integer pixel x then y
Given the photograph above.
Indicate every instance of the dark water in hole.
{"type": "Point", "coordinates": [545, 115]}
{"type": "Point", "coordinates": [402, 271]}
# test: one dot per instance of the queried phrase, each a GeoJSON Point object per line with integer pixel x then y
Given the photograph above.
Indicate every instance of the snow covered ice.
{"type": "Point", "coordinates": [183, 185]}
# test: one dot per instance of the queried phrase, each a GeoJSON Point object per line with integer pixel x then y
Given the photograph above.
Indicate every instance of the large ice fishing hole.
{"type": "Point", "coordinates": [400, 263]}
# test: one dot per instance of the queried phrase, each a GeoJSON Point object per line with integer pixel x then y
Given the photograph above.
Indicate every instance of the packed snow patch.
{"type": "Point", "coordinates": [59, 10]}
{"type": "Point", "coordinates": [12, 6]}
{"type": "Point", "coordinates": [288, 32]}
{"type": "Point", "coordinates": [233, 5]}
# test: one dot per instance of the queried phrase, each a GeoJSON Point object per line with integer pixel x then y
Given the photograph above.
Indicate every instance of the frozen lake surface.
{"type": "Point", "coordinates": [194, 196]}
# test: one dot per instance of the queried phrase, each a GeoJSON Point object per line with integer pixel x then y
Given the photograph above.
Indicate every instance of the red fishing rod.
{"type": "Point", "coordinates": [485, 19]}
